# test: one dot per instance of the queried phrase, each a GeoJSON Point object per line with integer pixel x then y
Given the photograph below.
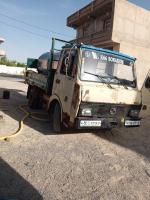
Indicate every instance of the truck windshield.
{"type": "Point", "coordinates": [111, 68]}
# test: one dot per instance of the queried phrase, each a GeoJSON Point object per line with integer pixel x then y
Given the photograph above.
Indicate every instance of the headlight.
{"type": "Point", "coordinates": [86, 112]}
{"type": "Point", "coordinates": [134, 113]}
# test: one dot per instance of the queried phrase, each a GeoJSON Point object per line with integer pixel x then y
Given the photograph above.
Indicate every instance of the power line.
{"type": "Point", "coordinates": [22, 29]}
{"type": "Point", "coordinates": [34, 26]}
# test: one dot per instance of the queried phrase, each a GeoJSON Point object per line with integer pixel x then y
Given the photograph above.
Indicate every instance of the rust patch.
{"type": "Point", "coordinates": [66, 120]}
{"type": "Point", "coordinates": [86, 95]}
{"type": "Point", "coordinates": [75, 98]}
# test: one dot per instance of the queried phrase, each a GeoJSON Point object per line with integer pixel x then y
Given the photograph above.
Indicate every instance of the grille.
{"type": "Point", "coordinates": [104, 110]}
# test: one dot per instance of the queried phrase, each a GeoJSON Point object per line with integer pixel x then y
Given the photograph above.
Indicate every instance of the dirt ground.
{"type": "Point", "coordinates": [39, 165]}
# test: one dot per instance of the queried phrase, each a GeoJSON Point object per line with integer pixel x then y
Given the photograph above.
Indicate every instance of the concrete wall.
{"type": "Point", "coordinates": [131, 30]}
{"type": "Point", "coordinates": [19, 71]}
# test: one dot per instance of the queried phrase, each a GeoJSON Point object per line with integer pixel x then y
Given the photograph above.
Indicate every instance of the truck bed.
{"type": "Point", "coordinates": [34, 78]}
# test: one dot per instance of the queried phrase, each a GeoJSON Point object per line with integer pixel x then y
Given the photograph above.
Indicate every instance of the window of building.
{"type": "Point", "coordinates": [107, 25]}
{"type": "Point", "coordinates": [99, 24]}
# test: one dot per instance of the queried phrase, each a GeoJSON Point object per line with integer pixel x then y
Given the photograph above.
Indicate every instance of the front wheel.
{"type": "Point", "coordinates": [56, 119]}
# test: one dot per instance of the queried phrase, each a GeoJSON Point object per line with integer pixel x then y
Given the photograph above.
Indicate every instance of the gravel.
{"type": "Point", "coordinates": [39, 165]}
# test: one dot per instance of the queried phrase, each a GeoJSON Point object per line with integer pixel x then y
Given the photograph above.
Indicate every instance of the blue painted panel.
{"type": "Point", "coordinates": [118, 54]}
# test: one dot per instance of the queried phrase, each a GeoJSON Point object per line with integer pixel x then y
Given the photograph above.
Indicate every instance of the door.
{"type": "Point", "coordinates": [145, 112]}
{"type": "Point", "coordinates": [65, 79]}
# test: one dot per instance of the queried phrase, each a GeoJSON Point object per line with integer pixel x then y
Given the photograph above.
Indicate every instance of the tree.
{"type": "Point", "coordinates": [12, 63]}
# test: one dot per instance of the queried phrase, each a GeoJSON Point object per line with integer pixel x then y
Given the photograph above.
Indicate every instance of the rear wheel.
{"type": "Point", "coordinates": [34, 98]}
{"type": "Point", "coordinates": [28, 91]}
{"type": "Point", "coordinates": [56, 119]}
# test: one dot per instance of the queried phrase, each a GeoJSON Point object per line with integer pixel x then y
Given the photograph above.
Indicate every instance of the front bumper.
{"type": "Point", "coordinates": [106, 123]}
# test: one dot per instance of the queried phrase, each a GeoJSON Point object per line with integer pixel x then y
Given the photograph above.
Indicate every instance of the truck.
{"type": "Point", "coordinates": [85, 87]}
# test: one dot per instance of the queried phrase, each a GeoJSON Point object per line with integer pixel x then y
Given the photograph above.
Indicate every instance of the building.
{"type": "Point", "coordinates": [118, 25]}
{"type": "Point", "coordinates": [2, 52]}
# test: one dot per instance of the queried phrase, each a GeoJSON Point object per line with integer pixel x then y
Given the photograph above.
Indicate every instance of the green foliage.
{"type": "Point", "coordinates": [13, 63]}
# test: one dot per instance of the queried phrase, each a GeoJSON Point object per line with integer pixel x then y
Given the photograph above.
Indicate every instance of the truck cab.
{"type": "Point", "coordinates": [88, 88]}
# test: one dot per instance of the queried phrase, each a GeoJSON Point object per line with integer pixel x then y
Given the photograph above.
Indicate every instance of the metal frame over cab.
{"type": "Point", "coordinates": [74, 102]}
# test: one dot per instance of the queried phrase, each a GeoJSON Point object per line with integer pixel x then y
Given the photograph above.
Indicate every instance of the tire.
{"type": "Point", "coordinates": [34, 101]}
{"type": "Point", "coordinates": [6, 94]}
{"type": "Point", "coordinates": [56, 119]}
{"type": "Point", "coordinates": [28, 91]}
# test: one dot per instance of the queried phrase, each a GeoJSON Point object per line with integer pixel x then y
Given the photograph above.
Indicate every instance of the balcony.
{"type": "Point", "coordinates": [92, 10]}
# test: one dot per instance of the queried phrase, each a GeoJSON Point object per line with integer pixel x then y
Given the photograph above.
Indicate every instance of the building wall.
{"type": "Point", "coordinates": [127, 30]}
{"type": "Point", "coordinates": [131, 30]}
{"type": "Point", "coordinates": [98, 25]}
{"type": "Point", "coordinates": [94, 23]}
{"type": "Point", "coordinates": [2, 52]}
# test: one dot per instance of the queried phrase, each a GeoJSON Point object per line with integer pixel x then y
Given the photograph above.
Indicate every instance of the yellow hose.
{"type": "Point", "coordinates": [21, 122]}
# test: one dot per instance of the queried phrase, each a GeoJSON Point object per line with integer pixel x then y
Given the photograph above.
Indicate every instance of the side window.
{"type": "Point", "coordinates": [63, 65]}
{"type": "Point", "coordinates": [68, 66]}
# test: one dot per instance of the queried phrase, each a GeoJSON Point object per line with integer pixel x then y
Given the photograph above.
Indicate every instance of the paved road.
{"type": "Point", "coordinates": [40, 165]}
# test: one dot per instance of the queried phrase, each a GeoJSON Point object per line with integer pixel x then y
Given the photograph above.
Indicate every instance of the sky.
{"type": "Point", "coordinates": [49, 15]}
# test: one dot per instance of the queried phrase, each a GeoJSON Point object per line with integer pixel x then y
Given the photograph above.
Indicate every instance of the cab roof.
{"type": "Point", "coordinates": [116, 53]}
{"type": "Point", "coordinates": [107, 51]}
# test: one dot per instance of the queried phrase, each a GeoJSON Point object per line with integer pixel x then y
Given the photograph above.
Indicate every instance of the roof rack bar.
{"type": "Point", "coordinates": [59, 40]}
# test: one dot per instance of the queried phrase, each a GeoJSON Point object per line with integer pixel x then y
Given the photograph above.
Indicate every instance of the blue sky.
{"type": "Point", "coordinates": [49, 14]}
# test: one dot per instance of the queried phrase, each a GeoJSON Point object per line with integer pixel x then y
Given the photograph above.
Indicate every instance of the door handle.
{"type": "Point", "coordinates": [57, 81]}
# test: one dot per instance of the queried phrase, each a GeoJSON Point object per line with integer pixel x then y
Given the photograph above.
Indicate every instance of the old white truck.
{"type": "Point", "coordinates": [85, 87]}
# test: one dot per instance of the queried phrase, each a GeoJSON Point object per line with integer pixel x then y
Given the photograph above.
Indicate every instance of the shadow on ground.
{"type": "Point", "coordinates": [15, 187]}
{"type": "Point", "coordinates": [11, 108]}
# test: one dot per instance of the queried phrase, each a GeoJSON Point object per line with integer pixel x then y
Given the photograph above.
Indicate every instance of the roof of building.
{"type": "Point", "coordinates": [90, 10]}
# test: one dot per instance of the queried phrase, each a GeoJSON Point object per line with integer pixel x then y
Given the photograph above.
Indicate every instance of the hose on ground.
{"type": "Point", "coordinates": [21, 122]}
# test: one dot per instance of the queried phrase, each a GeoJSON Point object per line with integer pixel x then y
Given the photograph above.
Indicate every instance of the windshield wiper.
{"type": "Point", "coordinates": [98, 76]}
{"type": "Point", "coordinates": [121, 81]}
{"type": "Point", "coordinates": [127, 82]}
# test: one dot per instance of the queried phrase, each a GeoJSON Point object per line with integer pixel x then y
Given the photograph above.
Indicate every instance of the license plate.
{"type": "Point", "coordinates": [132, 123]}
{"type": "Point", "coordinates": [88, 123]}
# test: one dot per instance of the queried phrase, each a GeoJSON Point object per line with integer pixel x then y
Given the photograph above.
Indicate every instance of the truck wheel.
{"type": "Point", "coordinates": [56, 119]}
{"type": "Point", "coordinates": [34, 101]}
{"type": "Point", "coordinates": [28, 91]}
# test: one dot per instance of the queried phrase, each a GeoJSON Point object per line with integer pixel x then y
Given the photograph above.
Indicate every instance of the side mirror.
{"type": "Point", "coordinates": [32, 63]}
{"type": "Point", "coordinates": [147, 83]}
